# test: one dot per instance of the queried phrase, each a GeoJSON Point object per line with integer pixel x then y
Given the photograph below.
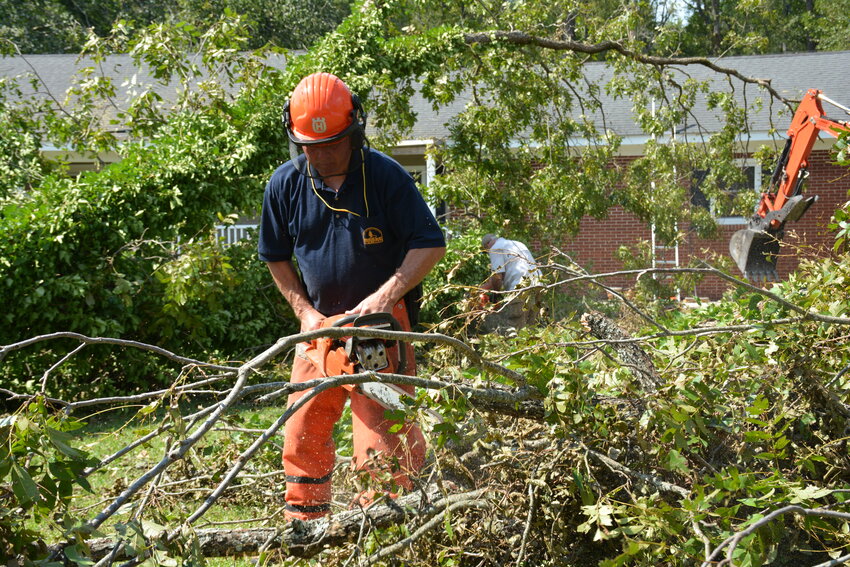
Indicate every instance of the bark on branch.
{"type": "Point", "coordinates": [305, 539]}
{"type": "Point", "coordinates": [631, 354]}
{"type": "Point", "coordinates": [732, 541]}
{"type": "Point", "coordinates": [522, 38]}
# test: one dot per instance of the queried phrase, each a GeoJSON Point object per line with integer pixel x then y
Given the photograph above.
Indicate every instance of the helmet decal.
{"type": "Point", "coordinates": [320, 125]}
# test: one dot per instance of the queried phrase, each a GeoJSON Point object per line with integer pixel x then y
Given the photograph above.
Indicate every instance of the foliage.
{"type": "Point", "coordinates": [528, 124]}
{"type": "Point", "coordinates": [40, 469]}
{"type": "Point", "coordinates": [840, 224]}
{"type": "Point", "coordinates": [61, 26]}
{"type": "Point", "coordinates": [745, 422]}
{"type": "Point", "coordinates": [22, 165]}
{"type": "Point", "coordinates": [748, 27]}
{"type": "Point", "coordinates": [295, 25]}
{"type": "Point", "coordinates": [452, 284]}
{"type": "Point", "coordinates": [125, 252]}
{"type": "Point", "coordinates": [830, 30]}
{"type": "Point", "coordinates": [110, 252]}
{"type": "Point", "coordinates": [40, 26]}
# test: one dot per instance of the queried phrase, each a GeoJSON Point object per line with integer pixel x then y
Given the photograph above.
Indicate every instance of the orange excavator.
{"type": "Point", "coordinates": [756, 248]}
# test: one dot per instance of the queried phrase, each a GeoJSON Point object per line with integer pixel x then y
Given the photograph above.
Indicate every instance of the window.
{"type": "Point", "coordinates": [723, 205]}
{"type": "Point", "coordinates": [419, 173]}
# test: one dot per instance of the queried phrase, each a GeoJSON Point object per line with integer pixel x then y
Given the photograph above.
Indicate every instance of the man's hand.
{"type": "Point", "coordinates": [375, 303]}
{"type": "Point", "coordinates": [289, 284]}
{"type": "Point", "coordinates": [311, 320]}
{"type": "Point", "coordinates": [494, 282]}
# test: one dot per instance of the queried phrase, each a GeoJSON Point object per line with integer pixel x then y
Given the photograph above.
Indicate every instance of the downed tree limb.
{"type": "Point", "coordinates": [527, 409]}
{"type": "Point", "coordinates": [631, 354]}
{"type": "Point", "coordinates": [730, 543]}
{"type": "Point", "coordinates": [437, 520]}
{"type": "Point", "coordinates": [307, 539]}
{"type": "Point", "coordinates": [642, 478]}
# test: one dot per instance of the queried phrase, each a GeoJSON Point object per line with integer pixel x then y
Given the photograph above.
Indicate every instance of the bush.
{"type": "Point", "coordinates": [451, 286]}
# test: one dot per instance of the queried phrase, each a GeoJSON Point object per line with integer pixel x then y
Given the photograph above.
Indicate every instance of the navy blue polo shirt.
{"type": "Point", "coordinates": [344, 255]}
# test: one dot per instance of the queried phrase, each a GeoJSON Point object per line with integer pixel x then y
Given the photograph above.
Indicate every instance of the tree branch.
{"type": "Point", "coordinates": [307, 539]}
{"type": "Point", "coordinates": [732, 541]}
{"type": "Point", "coordinates": [522, 38]}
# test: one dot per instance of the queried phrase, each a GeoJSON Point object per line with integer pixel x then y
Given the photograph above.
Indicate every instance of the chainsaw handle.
{"type": "Point", "coordinates": [372, 319]}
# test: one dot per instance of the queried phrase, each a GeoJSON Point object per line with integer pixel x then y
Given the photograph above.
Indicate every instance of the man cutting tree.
{"type": "Point", "coordinates": [511, 264]}
{"type": "Point", "coordinates": [362, 239]}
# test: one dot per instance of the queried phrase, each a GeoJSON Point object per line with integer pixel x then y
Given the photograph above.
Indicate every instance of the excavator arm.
{"type": "Point", "coordinates": [755, 248]}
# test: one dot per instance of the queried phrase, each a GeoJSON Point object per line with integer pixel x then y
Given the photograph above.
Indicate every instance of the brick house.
{"type": "Point", "coordinates": [594, 246]}
{"type": "Point", "coordinates": [791, 75]}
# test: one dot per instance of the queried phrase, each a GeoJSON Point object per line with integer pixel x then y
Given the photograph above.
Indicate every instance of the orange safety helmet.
{"type": "Point", "coordinates": [322, 110]}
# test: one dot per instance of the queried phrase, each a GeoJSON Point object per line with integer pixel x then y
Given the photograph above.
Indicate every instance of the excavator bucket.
{"type": "Point", "coordinates": [755, 252]}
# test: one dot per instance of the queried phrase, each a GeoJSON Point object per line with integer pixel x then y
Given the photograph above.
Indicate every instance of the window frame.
{"type": "Point", "coordinates": [735, 220]}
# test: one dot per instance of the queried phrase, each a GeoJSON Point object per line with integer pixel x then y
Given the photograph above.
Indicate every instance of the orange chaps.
{"type": "Point", "coordinates": [308, 448]}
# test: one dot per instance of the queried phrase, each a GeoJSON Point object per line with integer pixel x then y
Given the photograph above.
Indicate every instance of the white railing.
{"type": "Point", "coordinates": [232, 233]}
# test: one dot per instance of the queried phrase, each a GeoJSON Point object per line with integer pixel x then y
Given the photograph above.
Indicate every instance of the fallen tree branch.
{"type": "Point", "coordinates": [281, 345]}
{"type": "Point", "coordinates": [805, 314]}
{"type": "Point", "coordinates": [437, 520]}
{"type": "Point", "coordinates": [187, 443]}
{"type": "Point", "coordinates": [213, 413]}
{"type": "Point", "coordinates": [642, 478]}
{"type": "Point", "coordinates": [833, 562]}
{"type": "Point", "coordinates": [6, 349]}
{"type": "Point", "coordinates": [630, 354]}
{"type": "Point", "coordinates": [307, 539]}
{"type": "Point", "coordinates": [730, 543]}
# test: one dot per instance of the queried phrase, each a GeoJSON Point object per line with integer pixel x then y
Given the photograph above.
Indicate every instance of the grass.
{"type": "Point", "coordinates": [168, 500]}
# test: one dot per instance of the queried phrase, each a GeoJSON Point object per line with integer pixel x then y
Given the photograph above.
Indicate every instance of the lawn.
{"type": "Point", "coordinates": [255, 499]}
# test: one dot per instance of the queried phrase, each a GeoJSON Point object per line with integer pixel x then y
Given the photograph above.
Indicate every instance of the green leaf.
{"type": "Point", "coordinates": [447, 524]}
{"type": "Point", "coordinates": [24, 487]}
{"type": "Point", "coordinates": [151, 407]}
{"type": "Point", "coordinates": [60, 439]}
{"type": "Point", "coordinates": [72, 552]}
{"type": "Point", "coordinates": [677, 462]}
{"type": "Point", "coordinates": [808, 492]}
{"type": "Point", "coordinates": [5, 466]}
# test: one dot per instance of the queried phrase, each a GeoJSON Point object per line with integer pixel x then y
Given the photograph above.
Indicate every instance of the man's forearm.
{"type": "Point", "coordinates": [494, 282]}
{"type": "Point", "coordinates": [287, 281]}
{"type": "Point", "coordinates": [416, 265]}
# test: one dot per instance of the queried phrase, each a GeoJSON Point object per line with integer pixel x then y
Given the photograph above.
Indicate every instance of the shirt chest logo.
{"type": "Point", "coordinates": [372, 235]}
{"type": "Point", "coordinates": [319, 125]}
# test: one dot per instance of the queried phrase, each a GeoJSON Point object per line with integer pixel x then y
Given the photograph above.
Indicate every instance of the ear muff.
{"type": "Point", "coordinates": [287, 117]}
{"type": "Point", "coordinates": [287, 124]}
{"type": "Point", "coordinates": [358, 136]}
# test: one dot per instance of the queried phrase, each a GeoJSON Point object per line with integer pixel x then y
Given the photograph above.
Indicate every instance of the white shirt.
{"type": "Point", "coordinates": [512, 258]}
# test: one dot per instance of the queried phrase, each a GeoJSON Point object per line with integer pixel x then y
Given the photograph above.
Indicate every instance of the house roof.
{"type": "Point", "coordinates": [56, 74]}
{"type": "Point", "coordinates": [791, 75]}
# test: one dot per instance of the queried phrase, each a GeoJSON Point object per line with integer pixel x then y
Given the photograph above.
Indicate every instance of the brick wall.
{"type": "Point", "coordinates": [597, 241]}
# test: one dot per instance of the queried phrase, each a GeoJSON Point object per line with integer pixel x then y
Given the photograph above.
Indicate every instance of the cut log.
{"type": "Point", "coordinates": [629, 353]}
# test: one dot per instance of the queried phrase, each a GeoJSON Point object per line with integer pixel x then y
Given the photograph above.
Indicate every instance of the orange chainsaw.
{"type": "Point", "coordinates": [350, 355]}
